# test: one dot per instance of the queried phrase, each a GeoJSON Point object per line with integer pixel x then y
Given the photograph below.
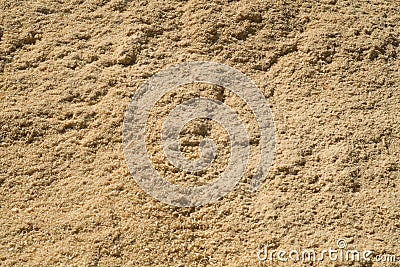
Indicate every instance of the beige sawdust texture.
{"type": "Point", "coordinates": [68, 69]}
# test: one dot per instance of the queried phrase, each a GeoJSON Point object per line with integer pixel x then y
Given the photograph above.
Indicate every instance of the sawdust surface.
{"type": "Point", "coordinates": [68, 69]}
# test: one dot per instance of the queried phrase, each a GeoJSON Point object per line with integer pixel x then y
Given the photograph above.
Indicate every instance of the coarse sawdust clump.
{"type": "Point", "coordinates": [68, 69]}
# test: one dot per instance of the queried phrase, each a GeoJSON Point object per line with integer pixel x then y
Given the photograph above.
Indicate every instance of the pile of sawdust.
{"type": "Point", "coordinates": [69, 68]}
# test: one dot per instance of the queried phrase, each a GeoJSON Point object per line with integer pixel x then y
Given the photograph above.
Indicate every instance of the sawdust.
{"type": "Point", "coordinates": [69, 68]}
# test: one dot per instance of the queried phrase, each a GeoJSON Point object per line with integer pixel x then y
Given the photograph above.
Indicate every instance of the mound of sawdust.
{"type": "Point", "coordinates": [69, 68]}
